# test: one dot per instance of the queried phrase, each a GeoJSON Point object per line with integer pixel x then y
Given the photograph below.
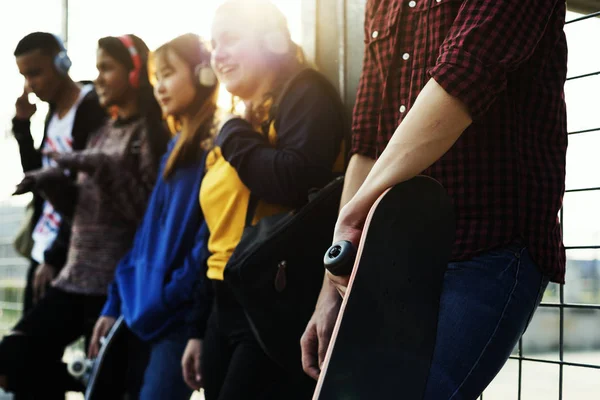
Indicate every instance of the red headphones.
{"type": "Point", "coordinates": [134, 75]}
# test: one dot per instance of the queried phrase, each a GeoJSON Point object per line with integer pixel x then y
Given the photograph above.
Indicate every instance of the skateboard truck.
{"type": "Point", "coordinates": [80, 368]}
{"type": "Point", "coordinates": [339, 258]}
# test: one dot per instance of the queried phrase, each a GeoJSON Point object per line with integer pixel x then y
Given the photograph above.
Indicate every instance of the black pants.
{"type": "Point", "coordinates": [31, 361]}
{"type": "Point", "coordinates": [234, 366]}
{"type": "Point", "coordinates": [28, 294]}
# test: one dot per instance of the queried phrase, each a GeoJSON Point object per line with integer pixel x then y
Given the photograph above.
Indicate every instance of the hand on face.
{"type": "Point", "coordinates": [24, 109]}
{"type": "Point", "coordinates": [41, 78]}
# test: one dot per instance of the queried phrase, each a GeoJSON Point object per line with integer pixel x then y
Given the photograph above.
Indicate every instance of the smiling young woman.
{"type": "Point", "coordinates": [289, 141]}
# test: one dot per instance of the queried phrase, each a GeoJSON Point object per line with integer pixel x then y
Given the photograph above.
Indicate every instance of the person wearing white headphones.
{"type": "Point", "coordinates": [74, 113]}
{"type": "Point", "coordinates": [290, 140]}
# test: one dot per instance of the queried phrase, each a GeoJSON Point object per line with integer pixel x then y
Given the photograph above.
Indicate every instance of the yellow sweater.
{"type": "Point", "coordinates": [225, 195]}
{"type": "Point", "coordinates": [299, 152]}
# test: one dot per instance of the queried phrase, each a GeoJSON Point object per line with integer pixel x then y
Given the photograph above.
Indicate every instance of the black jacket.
{"type": "Point", "coordinates": [88, 118]}
{"type": "Point", "coordinates": [309, 120]}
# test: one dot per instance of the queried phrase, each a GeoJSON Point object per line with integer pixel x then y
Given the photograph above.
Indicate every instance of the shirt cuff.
{"type": "Point", "coordinates": [112, 308]}
{"type": "Point", "coordinates": [468, 79]}
{"type": "Point", "coordinates": [20, 127]}
{"type": "Point", "coordinates": [235, 127]}
{"type": "Point", "coordinates": [230, 128]}
{"type": "Point", "coordinates": [196, 332]}
{"type": "Point", "coordinates": [367, 151]}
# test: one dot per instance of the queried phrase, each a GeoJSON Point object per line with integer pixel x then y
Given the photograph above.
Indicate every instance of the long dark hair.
{"type": "Point", "coordinates": [194, 52]}
{"type": "Point", "coordinates": [158, 135]}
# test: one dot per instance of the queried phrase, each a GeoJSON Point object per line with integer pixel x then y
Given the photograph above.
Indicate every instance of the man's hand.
{"type": "Point", "coordinates": [101, 329]}
{"type": "Point", "coordinates": [44, 274]}
{"type": "Point", "coordinates": [348, 227]}
{"type": "Point", "coordinates": [24, 109]}
{"type": "Point", "coordinates": [190, 364]}
{"type": "Point", "coordinates": [318, 332]}
{"type": "Point", "coordinates": [315, 339]}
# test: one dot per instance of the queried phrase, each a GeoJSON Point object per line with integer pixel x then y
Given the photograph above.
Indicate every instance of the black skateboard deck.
{"type": "Point", "coordinates": [100, 378]}
{"type": "Point", "coordinates": [384, 337]}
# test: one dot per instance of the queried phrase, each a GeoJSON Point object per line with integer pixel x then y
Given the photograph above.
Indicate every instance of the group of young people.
{"type": "Point", "coordinates": [142, 185]}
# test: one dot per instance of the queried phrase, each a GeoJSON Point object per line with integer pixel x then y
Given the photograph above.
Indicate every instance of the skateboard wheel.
{"type": "Point", "coordinates": [78, 367]}
{"type": "Point", "coordinates": [339, 258]}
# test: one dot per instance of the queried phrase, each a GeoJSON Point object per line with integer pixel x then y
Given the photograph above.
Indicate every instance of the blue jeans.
{"type": "Point", "coordinates": [163, 378]}
{"type": "Point", "coordinates": [486, 305]}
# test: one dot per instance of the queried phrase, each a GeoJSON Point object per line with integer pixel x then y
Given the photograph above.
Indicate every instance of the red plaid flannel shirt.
{"type": "Point", "coordinates": [507, 61]}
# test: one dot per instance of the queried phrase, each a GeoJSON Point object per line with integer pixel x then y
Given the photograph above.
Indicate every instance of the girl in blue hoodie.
{"type": "Point", "coordinates": [153, 283]}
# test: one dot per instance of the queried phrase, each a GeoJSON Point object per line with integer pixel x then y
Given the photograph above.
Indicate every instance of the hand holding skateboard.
{"type": "Point", "coordinates": [392, 297]}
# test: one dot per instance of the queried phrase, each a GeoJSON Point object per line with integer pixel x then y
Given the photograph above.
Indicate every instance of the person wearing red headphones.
{"type": "Point", "coordinates": [154, 283]}
{"type": "Point", "coordinates": [114, 177]}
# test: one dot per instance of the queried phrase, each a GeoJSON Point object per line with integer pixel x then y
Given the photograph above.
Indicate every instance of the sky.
{"type": "Point", "coordinates": [157, 23]}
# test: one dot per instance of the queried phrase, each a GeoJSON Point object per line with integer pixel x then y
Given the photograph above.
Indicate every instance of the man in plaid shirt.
{"type": "Point", "coordinates": [470, 93]}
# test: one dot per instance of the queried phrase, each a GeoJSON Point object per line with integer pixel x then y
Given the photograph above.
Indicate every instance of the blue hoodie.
{"type": "Point", "coordinates": [154, 282]}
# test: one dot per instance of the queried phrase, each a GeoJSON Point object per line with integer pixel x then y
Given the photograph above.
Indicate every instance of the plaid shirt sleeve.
{"type": "Point", "coordinates": [488, 40]}
{"type": "Point", "coordinates": [365, 117]}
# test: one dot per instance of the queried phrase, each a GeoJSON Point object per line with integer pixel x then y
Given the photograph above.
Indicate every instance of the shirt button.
{"type": "Point", "coordinates": [405, 56]}
{"type": "Point", "coordinates": [374, 34]}
{"type": "Point", "coordinates": [412, 4]}
{"type": "Point", "coordinates": [402, 109]}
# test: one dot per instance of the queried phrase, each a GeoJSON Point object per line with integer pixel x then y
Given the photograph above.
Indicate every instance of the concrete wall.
{"type": "Point", "coordinates": [333, 40]}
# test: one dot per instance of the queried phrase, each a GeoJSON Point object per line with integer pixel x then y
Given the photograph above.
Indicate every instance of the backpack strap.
{"type": "Point", "coordinates": [332, 91]}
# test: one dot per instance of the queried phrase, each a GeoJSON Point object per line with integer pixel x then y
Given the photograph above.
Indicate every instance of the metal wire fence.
{"type": "Point", "coordinates": [565, 361]}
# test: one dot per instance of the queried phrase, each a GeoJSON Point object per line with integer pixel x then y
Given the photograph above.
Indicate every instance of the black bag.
{"type": "Point", "coordinates": [276, 272]}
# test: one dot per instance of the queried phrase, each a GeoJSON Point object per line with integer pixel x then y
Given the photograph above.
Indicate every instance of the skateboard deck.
{"type": "Point", "coordinates": [99, 380]}
{"type": "Point", "coordinates": [384, 337]}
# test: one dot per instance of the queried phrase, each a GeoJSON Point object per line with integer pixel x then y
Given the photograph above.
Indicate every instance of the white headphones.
{"type": "Point", "coordinates": [62, 62]}
{"type": "Point", "coordinates": [205, 75]}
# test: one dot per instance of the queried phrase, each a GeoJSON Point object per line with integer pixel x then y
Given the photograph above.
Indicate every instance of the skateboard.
{"type": "Point", "coordinates": [384, 337]}
{"type": "Point", "coordinates": [100, 381]}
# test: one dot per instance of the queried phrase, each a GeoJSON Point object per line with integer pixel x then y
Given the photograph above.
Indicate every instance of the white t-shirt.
{"type": "Point", "coordinates": [59, 138]}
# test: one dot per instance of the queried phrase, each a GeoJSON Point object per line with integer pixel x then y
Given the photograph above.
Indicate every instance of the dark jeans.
{"type": "Point", "coordinates": [234, 366]}
{"type": "Point", "coordinates": [486, 305]}
{"type": "Point", "coordinates": [163, 376]}
{"type": "Point", "coordinates": [32, 360]}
